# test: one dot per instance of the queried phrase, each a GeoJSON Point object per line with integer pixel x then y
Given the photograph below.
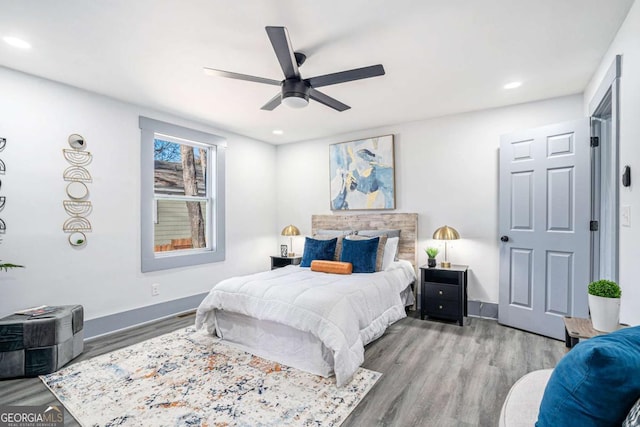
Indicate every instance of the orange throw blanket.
{"type": "Point", "coordinates": [335, 267]}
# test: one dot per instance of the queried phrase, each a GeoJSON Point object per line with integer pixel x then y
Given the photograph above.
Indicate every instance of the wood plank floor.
{"type": "Point", "coordinates": [434, 373]}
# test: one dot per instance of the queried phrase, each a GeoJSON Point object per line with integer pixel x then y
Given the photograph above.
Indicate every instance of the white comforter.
{"type": "Point", "coordinates": [344, 311]}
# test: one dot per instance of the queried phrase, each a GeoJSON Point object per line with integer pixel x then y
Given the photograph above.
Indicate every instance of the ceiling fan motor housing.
{"type": "Point", "coordinates": [292, 88]}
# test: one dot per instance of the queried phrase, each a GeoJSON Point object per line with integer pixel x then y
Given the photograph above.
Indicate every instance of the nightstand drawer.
{"type": "Point", "coordinates": [442, 291]}
{"type": "Point", "coordinates": [442, 308]}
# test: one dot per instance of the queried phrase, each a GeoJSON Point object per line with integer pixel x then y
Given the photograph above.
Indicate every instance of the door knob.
{"type": "Point", "coordinates": [504, 238]}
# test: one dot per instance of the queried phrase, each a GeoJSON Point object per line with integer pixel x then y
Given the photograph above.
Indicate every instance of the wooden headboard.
{"type": "Point", "coordinates": [406, 222]}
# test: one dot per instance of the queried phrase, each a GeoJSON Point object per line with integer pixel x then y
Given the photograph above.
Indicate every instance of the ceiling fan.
{"type": "Point", "coordinates": [296, 91]}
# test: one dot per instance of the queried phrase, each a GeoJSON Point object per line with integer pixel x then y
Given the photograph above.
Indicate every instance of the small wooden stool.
{"type": "Point", "coordinates": [576, 328]}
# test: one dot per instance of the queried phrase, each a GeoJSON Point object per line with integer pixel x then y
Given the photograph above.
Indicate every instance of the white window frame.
{"type": "Point", "coordinates": [215, 218]}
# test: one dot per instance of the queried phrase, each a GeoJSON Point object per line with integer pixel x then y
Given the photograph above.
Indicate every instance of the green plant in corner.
{"type": "Point", "coordinates": [432, 252]}
{"type": "Point", "coordinates": [7, 265]}
{"type": "Point", "coordinates": [604, 288]}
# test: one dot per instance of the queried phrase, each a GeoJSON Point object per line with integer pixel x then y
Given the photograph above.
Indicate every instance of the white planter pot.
{"type": "Point", "coordinates": [605, 313]}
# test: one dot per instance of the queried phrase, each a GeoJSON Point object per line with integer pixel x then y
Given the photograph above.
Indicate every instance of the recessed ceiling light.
{"type": "Point", "coordinates": [277, 132]}
{"type": "Point", "coordinates": [16, 42]}
{"type": "Point", "coordinates": [512, 85]}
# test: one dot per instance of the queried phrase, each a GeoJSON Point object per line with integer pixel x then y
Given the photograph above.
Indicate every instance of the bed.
{"type": "Point", "coordinates": [315, 321]}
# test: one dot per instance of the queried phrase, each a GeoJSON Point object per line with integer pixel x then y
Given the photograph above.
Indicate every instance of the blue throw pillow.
{"type": "Point", "coordinates": [595, 384]}
{"type": "Point", "coordinates": [317, 249]}
{"type": "Point", "coordinates": [360, 253]}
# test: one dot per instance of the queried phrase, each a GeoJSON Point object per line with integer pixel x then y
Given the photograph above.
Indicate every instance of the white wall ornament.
{"type": "Point", "coordinates": [77, 191]}
{"type": "Point", "coordinates": [78, 207]}
{"type": "Point", "coordinates": [77, 239]}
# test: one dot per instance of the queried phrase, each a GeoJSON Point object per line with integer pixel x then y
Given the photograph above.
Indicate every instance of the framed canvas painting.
{"type": "Point", "coordinates": [362, 174]}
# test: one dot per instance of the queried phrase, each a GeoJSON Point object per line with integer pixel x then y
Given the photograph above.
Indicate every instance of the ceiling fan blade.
{"type": "Point", "coordinates": [282, 46]}
{"type": "Point", "coordinates": [238, 76]}
{"type": "Point", "coordinates": [346, 76]}
{"type": "Point", "coordinates": [316, 95]}
{"type": "Point", "coordinates": [273, 102]}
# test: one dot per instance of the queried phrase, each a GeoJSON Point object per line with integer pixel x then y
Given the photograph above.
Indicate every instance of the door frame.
{"type": "Point", "coordinates": [605, 106]}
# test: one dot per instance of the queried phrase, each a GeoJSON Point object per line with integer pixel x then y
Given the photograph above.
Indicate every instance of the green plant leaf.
{"type": "Point", "coordinates": [605, 288]}
{"type": "Point", "coordinates": [6, 266]}
{"type": "Point", "coordinates": [432, 252]}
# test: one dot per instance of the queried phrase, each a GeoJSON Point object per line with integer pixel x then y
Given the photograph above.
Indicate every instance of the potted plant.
{"type": "Point", "coordinates": [431, 253]}
{"type": "Point", "coordinates": [604, 305]}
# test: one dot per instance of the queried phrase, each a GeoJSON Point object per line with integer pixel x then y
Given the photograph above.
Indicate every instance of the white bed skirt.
{"type": "Point", "coordinates": [281, 343]}
{"type": "Point", "coordinates": [276, 342]}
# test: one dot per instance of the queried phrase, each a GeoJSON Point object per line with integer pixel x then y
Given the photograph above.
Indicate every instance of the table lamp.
{"type": "Point", "coordinates": [446, 233]}
{"type": "Point", "coordinates": [290, 231]}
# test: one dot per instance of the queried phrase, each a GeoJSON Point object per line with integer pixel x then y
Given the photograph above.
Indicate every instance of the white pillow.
{"type": "Point", "coordinates": [390, 250]}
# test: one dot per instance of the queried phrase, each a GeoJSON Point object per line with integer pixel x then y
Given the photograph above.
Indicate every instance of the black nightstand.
{"type": "Point", "coordinates": [283, 261]}
{"type": "Point", "coordinates": [444, 292]}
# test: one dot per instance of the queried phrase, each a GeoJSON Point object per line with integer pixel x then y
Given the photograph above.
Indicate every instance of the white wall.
{"type": "Point", "coordinates": [446, 171]}
{"type": "Point", "coordinates": [36, 118]}
{"type": "Point", "coordinates": [627, 44]}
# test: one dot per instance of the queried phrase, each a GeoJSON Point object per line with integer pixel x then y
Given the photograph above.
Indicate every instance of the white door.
{"type": "Point", "coordinates": [544, 219]}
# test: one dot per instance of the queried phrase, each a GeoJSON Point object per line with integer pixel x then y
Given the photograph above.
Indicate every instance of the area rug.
{"type": "Point", "coordinates": [189, 378]}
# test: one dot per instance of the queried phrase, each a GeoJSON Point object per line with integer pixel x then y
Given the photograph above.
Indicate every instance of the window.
{"type": "Point", "coordinates": [182, 196]}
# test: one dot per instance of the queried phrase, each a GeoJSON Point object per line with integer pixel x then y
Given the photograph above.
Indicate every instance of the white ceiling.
{"type": "Point", "coordinates": [441, 57]}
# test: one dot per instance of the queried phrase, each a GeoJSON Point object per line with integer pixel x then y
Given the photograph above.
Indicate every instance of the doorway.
{"type": "Point", "coordinates": [605, 171]}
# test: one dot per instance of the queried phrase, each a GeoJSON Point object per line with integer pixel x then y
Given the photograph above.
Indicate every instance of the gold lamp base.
{"type": "Point", "coordinates": [445, 264]}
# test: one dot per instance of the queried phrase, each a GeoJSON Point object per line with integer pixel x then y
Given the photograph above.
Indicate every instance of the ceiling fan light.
{"type": "Point", "coordinates": [296, 101]}
{"type": "Point", "coordinates": [513, 85]}
{"type": "Point", "coordinates": [16, 42]}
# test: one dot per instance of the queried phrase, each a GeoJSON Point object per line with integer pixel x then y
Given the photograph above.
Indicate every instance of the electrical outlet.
{"type": "Point", "coordinates": [626, 216]}
{"type": "Point", "coordinates": [155, 289]}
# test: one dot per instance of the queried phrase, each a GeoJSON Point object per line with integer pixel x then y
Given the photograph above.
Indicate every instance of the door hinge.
{"type": "Point", "coordinates": [595, 141]}
{"type": "Point", "coordinates": [593, 225]}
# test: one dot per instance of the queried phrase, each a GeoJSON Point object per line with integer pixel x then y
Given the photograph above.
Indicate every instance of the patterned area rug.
{"type": "Point", "coordinates": [189, 378]}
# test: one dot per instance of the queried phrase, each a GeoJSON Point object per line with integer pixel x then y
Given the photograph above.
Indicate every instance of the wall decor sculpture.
{"type": "Point", "coordinates": [362, 173]}
{"type": "Point", "coordinates": [3, 199]}
{"type": "Point", "coordinates": [76, 173]}
{"type": "Point", "coordinates": [78, 207]}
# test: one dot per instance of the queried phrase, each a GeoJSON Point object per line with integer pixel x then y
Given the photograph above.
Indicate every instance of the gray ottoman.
{"type": "Point", "coordinates": [32, 346]}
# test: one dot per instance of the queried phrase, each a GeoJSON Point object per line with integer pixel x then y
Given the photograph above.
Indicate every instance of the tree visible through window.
{"type": "Point", "coordinates": [180, 190]}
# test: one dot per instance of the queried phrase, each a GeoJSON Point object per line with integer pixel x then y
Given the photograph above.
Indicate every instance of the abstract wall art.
{"type": "Point", "coordinates": [362, 174]}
